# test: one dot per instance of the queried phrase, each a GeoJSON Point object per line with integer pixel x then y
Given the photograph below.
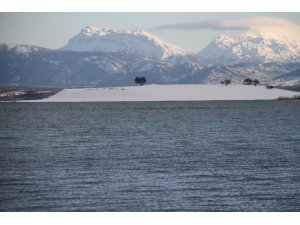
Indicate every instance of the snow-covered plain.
{"type": "Point", "coordinates": [168, 93]}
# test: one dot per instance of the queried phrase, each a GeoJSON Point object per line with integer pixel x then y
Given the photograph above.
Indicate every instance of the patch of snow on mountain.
{"type": "Point", "coordinates": [111, 66]}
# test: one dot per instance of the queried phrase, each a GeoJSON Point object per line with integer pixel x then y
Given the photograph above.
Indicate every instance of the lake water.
{"type": "Point", "coordinates": [150, 156]}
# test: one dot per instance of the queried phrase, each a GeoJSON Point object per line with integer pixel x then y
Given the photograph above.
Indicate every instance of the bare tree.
{"type": "Point", "coordinates": [227, 82]}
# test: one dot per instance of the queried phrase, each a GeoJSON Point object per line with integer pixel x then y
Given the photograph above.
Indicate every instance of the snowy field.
{"type": "Point", "coordinates": [168, 93]}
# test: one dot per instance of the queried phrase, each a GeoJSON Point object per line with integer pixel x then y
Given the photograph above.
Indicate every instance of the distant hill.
{"type": "Point", "coordinates": [289, 79]}
{"type": "Point", "coordinates": [291, 75]}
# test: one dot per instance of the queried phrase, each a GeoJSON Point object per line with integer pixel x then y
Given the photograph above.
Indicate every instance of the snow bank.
{"type": "Point", "coordinates": [168, 93]}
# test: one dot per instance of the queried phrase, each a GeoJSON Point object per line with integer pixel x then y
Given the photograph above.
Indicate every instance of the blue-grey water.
{"type": "Point", "coordinates": [150, 156]}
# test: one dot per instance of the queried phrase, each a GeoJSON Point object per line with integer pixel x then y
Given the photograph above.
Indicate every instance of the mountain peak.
{"type": "Point", "coordinates": [90, 30]}
{"type": "Point", "coordinates": [250, 46]}
{"type": "Point", "coordinates": [132, 42]}
{"type": "Point", "coordinates": [266, 39]}
{"type": "Point", "coordinates": [224, 40]}
{"type": "Point", "coordinates": [274, 28]}
{"type": "Point", "coordinates": [20, 49]}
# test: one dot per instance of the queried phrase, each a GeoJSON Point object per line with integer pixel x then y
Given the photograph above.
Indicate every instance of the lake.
{"type": "Point", "coordinates": [150, 156]}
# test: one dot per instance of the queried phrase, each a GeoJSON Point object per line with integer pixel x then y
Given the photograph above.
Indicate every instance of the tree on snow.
{"type": "Point", "coordinates": [255, 82]}
{"type": "Point", "coordinates": [248, 81]}
{"type": "Point", "coordinates": [140, 80]}
{"type": "Point", "coordinates": [226, 82]}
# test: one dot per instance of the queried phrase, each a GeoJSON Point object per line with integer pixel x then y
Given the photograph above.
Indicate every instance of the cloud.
{"type": "Point", "coordinates": [277, 27]}
{"type": "Point", "coordinates": [243, 23]}
{"type": "Point", "coordinates": [211, 24]}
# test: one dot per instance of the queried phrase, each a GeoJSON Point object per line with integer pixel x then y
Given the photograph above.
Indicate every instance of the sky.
{"type": "Point", "coordinates": [53, 30]}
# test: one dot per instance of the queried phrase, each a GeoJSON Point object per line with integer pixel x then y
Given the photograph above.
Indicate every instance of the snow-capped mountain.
{"type": "Point", "coordinates": [58, 68]}
{"type": "Point", "coordinates": [251, 47]}
{"type": "Point", "coordinates": [55, 68]}
{"type": "Point", "coordinates": [265, 39]}
{"type": "Point", "coordinates": [107, 57]}
{"type": "Point", "coordinates": [130, 42]}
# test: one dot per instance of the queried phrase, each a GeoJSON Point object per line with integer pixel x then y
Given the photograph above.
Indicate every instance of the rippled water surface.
{"type": "Point", "coordinates": [155, 156]}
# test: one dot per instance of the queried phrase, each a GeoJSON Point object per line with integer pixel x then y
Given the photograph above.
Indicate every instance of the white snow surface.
{"type": "Point", "coordinates": [188, 92]}
{"type": "Point", "coordinates": [132, 42]}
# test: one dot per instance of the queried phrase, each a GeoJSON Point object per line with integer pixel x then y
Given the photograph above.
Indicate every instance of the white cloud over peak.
{"type": "Point", "coordinates": [258, 25]}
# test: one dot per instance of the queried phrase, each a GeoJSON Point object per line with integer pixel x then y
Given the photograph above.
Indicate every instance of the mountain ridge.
{"type": "Point", "coordinates": [25, 64]}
